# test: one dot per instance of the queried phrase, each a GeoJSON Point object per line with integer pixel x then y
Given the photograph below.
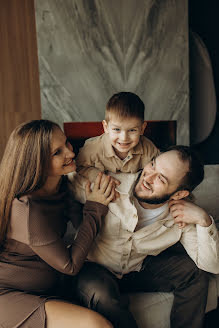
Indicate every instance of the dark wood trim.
{"type": "Point", "coordinates": [19, 78]}
{"type": "Point", "coordinates": [162, 133]}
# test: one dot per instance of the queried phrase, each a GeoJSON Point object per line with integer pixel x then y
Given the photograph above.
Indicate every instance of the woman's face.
{"type": "Point", "coordinates": [62, 155]}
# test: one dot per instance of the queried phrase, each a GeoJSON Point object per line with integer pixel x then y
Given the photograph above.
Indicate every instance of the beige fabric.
{"type": "Point", "coordinates": [122, 249]}
{"type": "Point", "coordinates": [98, 155]}
{"type": "Point", "coordinates": [153, 309]}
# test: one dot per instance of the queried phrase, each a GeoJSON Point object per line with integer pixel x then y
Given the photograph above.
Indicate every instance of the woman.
{"type": "Point", "coordinates": [34, 212]}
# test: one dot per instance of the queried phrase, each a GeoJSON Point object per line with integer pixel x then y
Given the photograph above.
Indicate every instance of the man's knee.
{"type": "Point", "coordinates": [194, 273]}
{"type": "Point", "coordinates": [202, 278]}
{"type": "Point", "coordinates": [93, 289]}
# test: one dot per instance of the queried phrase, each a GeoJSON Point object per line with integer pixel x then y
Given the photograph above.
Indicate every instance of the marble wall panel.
{"type": "Point", "coordinates": [90, 49]}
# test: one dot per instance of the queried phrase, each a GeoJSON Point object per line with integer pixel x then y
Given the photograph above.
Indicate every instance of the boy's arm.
{"type": "Point", "coordinates": [77, 186]}
{"type": "Point", "coordinates": [87, 161]}
{"type": "Point", "coordinates": [88, 172]}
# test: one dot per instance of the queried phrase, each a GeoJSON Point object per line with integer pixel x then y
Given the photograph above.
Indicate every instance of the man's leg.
{"type": "Point", "coordinates": [97, 289]}
{"type": "Point", "coordinates": [176, 272]}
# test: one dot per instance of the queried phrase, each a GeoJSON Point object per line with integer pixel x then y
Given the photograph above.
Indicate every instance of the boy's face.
{"type": "Point", "coordinates": [124, 133]}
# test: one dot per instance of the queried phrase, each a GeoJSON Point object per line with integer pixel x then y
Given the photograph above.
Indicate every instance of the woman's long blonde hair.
{"type": "Point", "coordinates": [24, 166]}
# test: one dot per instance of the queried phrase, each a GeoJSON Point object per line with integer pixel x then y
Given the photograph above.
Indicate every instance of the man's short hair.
{"type": "Point", "coordinates": [125, 104]}
{"type": "Point", "coordinates": [195, 174]}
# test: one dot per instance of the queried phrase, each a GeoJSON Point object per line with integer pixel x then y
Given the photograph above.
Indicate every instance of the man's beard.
{"type": "Point", "coordinates": [152, 200]}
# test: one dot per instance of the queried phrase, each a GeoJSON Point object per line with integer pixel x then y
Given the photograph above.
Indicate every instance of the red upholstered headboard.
{"type": "Point", "coordinates": [162, 133]}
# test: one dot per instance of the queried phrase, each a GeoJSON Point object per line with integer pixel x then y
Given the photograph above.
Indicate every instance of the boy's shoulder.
{"type": "Point", "coordinates": [93, 145]}
{"type": "Point", "coordinates": [95, 140]}
{"type": "Point", "coordinates": [96, 143]}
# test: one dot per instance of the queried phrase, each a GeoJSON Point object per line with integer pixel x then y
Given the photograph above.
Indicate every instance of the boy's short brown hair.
{"type": "Point", "coordinates": [125, 104]}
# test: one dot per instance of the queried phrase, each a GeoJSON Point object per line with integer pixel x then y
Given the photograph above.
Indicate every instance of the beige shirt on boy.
{"type": "Point", "coordinates": [97, 154]}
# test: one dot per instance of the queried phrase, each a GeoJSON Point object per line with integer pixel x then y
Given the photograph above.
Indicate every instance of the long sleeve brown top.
{"type": "Point", "coordinates": [35, 247]}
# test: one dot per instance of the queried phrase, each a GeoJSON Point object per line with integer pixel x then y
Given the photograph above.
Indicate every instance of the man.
{"type": "Point", "coordinates": [136, 249]}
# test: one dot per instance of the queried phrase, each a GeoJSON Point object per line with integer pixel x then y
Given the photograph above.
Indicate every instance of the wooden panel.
{"type": "Point", "coordinates": [19, 78]}
{"type": "Point", "coordinates": [162, 133]}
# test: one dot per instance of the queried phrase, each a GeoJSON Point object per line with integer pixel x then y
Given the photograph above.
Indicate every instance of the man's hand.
{"type": "Point", "coordinates": [103, 191]}
{"type": "Point", "coordinates": [185, 212]}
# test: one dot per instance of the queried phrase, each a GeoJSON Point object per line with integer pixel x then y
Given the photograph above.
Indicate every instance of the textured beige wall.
{"type": "Point", "coordinates": [89, 50]}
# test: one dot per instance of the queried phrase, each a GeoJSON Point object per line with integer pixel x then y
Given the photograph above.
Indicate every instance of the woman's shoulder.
{"type": "Point", "coordinates": [18, 227]}
{"type": "Point", "coordinates": [92, 146]}
{"type": "Point", "coordinates": [34, 220]}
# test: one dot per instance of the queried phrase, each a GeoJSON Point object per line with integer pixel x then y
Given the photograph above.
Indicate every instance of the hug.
{"type": "Point", "coordinates": [135, 227]}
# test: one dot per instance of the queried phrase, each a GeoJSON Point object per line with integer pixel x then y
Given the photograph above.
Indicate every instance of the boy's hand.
{"type": "Point", "coordinates": [103, 191]}
{"type": "Point", "coordinates": [117, 183]}
{"type": "Point", "coordinates": [185, 212]}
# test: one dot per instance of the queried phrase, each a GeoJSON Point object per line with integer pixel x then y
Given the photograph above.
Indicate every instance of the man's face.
{"type": "Point", "coordinates": [160, 178]}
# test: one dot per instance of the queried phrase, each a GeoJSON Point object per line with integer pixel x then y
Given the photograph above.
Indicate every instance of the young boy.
{"type": "Point", "coordinates": [122, 147]}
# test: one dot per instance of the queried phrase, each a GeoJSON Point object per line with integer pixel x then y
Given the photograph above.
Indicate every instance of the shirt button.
{"type": "Point", "coordinates": [123, 267]}
{"type": "Point", "coordinates": [211, 233]}
{"type": "Point", "coordinates": [130, 238]}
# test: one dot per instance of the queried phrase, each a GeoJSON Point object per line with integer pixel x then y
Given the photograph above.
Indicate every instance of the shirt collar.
{"type": "Point", "coordinates": [159, 212]}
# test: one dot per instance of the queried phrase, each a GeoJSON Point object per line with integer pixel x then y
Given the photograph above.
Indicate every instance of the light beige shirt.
{"type": "Point", "coordinates": [121, 248]}
{"type": "Point", "coordinates": [97, 154]}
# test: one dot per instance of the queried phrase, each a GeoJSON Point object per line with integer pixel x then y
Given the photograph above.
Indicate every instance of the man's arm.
{"type": "Point", "coordinates": [200, 237]}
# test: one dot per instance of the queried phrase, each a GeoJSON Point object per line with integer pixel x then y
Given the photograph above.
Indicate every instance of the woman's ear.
{"type": "Point", "coordinates": [105, 126]}
{"type": "Point", "coordinates": [143, 127]}
{"type": "Point", "coordinates": [180, 194]}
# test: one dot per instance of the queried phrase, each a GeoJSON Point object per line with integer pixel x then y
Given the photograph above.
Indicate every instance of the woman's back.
{"type": "Point", "coordinates": [34, 221]}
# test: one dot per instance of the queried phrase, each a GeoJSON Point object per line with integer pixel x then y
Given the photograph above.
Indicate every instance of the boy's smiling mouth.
{"type": "Point", "coordinates": [124, 144]}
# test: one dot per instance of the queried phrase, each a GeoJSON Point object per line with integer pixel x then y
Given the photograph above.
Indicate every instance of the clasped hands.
{"type": "Point", "coordinates": [103, 190]}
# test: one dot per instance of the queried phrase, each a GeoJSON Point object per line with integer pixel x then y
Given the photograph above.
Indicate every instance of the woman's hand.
{"type": "Point", "coordinates": [103, 191]}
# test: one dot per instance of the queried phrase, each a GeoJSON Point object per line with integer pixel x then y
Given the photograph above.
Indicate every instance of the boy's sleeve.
{"type": "Point", "coordinates": [149, 151]}
{"type": "Point", "coordinates": [87, 160]}
{"type": "Point", "coordinates": [77, 186]}
{"type": "Point", "coordinates": [88, 172]}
